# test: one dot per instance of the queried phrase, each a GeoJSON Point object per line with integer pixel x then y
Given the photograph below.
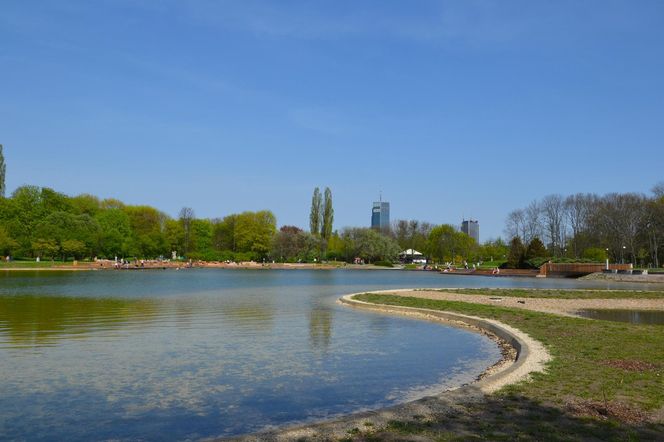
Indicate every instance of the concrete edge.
{"type": "Point", "coordinates": [531, 356]}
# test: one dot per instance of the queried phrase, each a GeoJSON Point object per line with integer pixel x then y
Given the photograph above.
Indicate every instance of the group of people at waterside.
{"type": "Point", "coordinates": [450, 267]}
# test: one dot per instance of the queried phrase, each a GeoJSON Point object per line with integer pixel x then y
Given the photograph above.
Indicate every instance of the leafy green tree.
{"type": "Point", "coordinates": [516, 256]}
{"type": "Point", "coordinates": [254, 232]}
{"type": "Point", "coordinates": [3, 170]}
{"type": "Point", "coordinates": [7, 243]}
{"type": "Point", "coordinates": [315, 213]}
{"type": "Point", "coordinates": [494, 250]}
{"type": "Point", "coordinates": [594, 254]}
{"type": "Point", "coordinates": [201, 235]}
{"type": "Point", "coordinates": [73, 248]}
{"type": "Point", "coordinates": [443, 243]}
{"type": "Point", "coordinates": [62, 227]}
{"type": "Point", "coordinates": [115, 234]}
{"type": "Point", "coordinates": [223, 233]}
{"type": "Point", "coordinates": [45, 248]}
{"type": "Point", "coordinates": [186, 218]}
{"type": "Point", "coordinates": [328, 215]}
{"type": "Point", "coordinates": [369, 245]}
{"type": "Point", "coordinates": [147, 225]}
{"type": "Point", "coordinates": [85, 204]}
{"type": "Point", "coordinates": [536, 249]}
{"type": "Point", "coordinates": [292, 244]}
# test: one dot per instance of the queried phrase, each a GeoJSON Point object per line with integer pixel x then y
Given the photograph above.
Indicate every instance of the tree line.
{"type": "Point", "coordinates": [623, 227]}
{"type": "Point", "coordinates": [40, 222]}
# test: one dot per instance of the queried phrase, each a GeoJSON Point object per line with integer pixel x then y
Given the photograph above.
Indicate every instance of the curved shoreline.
{"type": "Point", "coordinates": [529, 356]}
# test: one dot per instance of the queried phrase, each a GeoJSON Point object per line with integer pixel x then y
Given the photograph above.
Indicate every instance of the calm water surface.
{"type": "Point", "coordinates": [631, 316]}
{"type": "Point", "coordinates": [172, 355]}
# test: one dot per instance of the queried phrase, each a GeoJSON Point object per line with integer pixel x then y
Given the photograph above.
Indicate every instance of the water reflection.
{"type": "Point", "coordinates": [203, 353]}
{"type": "Point", "coordinates": [33, 321]}
{"type": "Point", "coordinates": [320, 328]}
{"type": "Point", "coordinates": [631, 316]}
{"type": "Point", "coordinates": [254, 314]}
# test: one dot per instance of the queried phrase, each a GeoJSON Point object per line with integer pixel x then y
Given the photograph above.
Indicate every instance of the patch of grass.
{"type": "Point", "coordinates": [561, 293]}
{"type": "Point", "coordinates": [584, 375]}
{"type": "Point", "coordinates": [33, 264]}
{"type": "Point", "coordinates": [580, 349]}
{"type": "Point", "coordinates": [492, 264]}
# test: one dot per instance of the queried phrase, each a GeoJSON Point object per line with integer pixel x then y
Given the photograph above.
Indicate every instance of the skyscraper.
{"type": "Point", "coordinates": [471, 228]}
{"type": "Point", "coordinates": [380, 215]}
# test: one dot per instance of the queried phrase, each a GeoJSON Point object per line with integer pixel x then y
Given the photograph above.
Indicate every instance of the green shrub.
{"type": "Point", "coordinates": [383, 264]}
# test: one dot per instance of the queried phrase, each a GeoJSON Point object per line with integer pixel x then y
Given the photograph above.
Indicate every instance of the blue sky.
{"type": "Point", "coordinates": [450, 108]}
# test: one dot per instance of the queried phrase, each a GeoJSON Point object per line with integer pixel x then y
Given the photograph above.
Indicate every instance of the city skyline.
{"type": "Point", "coordinates": [449, 108]}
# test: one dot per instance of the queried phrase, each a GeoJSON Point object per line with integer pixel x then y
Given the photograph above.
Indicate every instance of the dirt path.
{"type": "Point", "coordinates": [566, 307]}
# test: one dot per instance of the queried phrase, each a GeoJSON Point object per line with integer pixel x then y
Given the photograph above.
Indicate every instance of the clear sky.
{"type": "Point", "coordinates": [450, 108]}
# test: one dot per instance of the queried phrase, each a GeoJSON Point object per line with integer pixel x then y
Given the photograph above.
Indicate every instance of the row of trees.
{"type": "Point", "coordinates": [625, 227]}
{"type": "Point", "coordinates": [39, 222]}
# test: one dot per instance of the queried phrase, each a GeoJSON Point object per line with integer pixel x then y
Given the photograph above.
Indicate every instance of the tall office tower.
{"type": "Point", "coordinates": [471, 228]}
{"type": "Point", "coordinates": [380, 215]}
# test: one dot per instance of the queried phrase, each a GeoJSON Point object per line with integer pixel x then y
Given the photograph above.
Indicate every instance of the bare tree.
{"type": "Point", "coordinates": [655, 228]}
{"type": "Point", "coordinates": [658, 189]}
{"type": "Point", "coordinates": [578, 211]}
{"type": "Point", "coordinates": [533, 222]}
{"type": "Point", "coordinates": [515, 225]}
{"type": "Point", "coordinates": [553, 218]}
{"type": "Point", "coordinates": [622, 218]}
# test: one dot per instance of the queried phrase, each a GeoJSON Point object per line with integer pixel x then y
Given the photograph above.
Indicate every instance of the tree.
{"type": "Point", "coordinates": [552, 210]}
{"type": "Point", "coordinates": [315, 214]}
{"type": "Point", "coordinates": [186, 218]}
{"type": "Point", "coordinates": [578, 211]}
{"type": "Point", "coordinates": [515, 258]}
{"type": "Point", "coordinates": [657, 190]}
{"type": "Point", "coordinates": [73, 248]}
{"type": "Point", "coordinates": [7, 243]}
{"type": "Point", "coordinates": [494, 250]}
{"type": "Point", "coordinates": [369, 245]}
{"type": "Point", "coordinates": [115, 234]}
{"type": "Point", "coordinates": [443, 243]}
{"type": "Point", "coordinates": [3, 169]}
{"type": "Point", "coordinates": [536, 249]}
{"type": "Point", "coordinates": [292, 244]}
{"type": "Point", "coordinates": [328, 215]}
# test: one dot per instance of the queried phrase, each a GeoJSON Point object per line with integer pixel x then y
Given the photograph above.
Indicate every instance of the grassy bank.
{"type": "Point", "coordinates": [34, 264]}
{"type": "Point", "coordinates": [561, 293]}
{"type": "Point", "coordinates": [606, 382]}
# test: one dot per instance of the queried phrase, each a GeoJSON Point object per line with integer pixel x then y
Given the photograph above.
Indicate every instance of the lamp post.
{"type": "Point", "coordinates": [622, 255]}
{"type": "Point", "coordinates": [607, 258]}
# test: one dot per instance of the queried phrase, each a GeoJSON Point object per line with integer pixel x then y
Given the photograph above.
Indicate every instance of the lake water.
{"type": "Point", "coordinates": [631, 316]}
{"type": "Point", "coordinates": [172, 355]}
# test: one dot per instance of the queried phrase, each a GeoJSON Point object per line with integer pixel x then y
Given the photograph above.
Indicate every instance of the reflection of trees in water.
{"type": "Point", "coordinates": [43, 320]}
{"type": "Point", "coordinates": [248, 313]}
{"type": "Point", "coordinates": [320, 328]}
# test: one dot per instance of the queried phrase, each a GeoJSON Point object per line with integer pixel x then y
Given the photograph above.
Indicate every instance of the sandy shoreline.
{"type": "Point", "coordinates": [521, 356]}
{"type": "Point", "coordinates": [565, 307]}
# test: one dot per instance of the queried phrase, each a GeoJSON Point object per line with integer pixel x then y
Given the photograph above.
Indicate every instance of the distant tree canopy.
{"type": "Point", "coordinates": [40, 222]}
{"type": "Point", "coordinates": [627, 226]}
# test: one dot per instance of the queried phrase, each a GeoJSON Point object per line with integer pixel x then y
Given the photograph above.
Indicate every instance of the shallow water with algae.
{"type": "Point", "coordinates": [172, 355]}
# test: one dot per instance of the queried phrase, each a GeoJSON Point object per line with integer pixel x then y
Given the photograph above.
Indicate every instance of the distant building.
{"type": "Point", "coordinates": [471, 228]}
{"type": "Point", "coordinates": [380, 215]}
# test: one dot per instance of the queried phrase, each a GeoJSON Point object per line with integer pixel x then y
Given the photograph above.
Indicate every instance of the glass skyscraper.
{"type": "Point", "coordinates": [380, 215]}
{"type": "Point", "coordinates": [471, 228]}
